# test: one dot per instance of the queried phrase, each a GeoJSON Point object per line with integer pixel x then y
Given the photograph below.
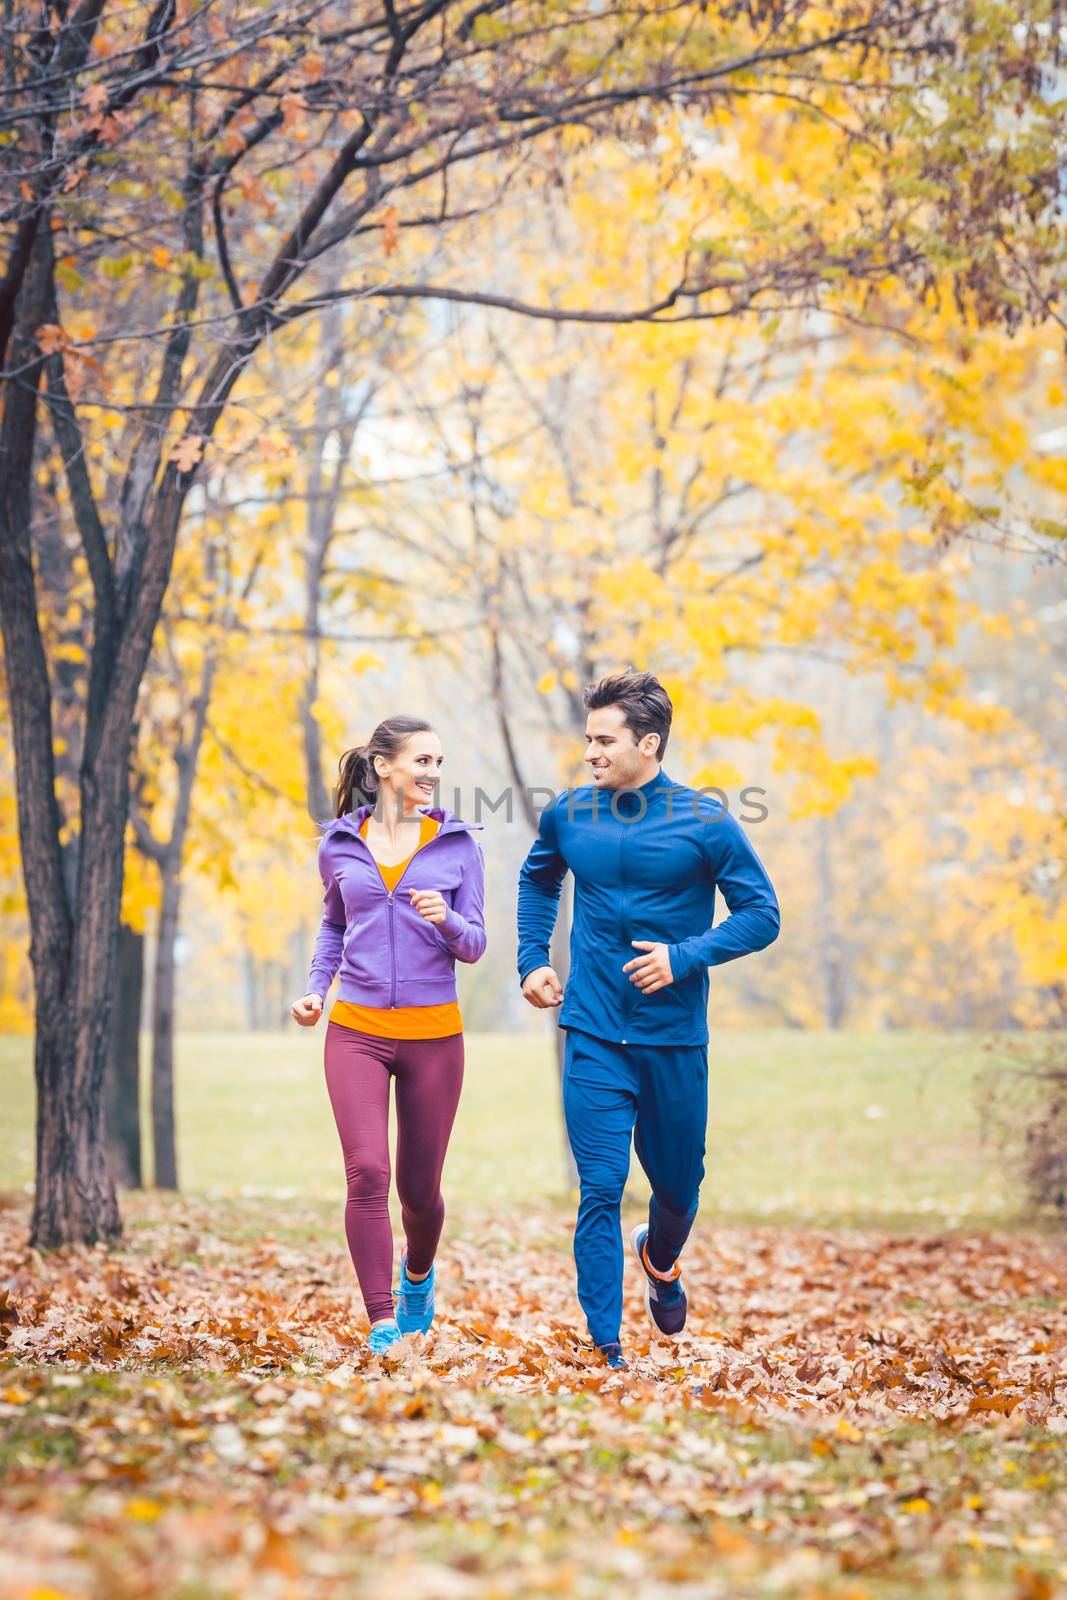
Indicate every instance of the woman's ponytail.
{"type": "Point", "coordinates": [358, 783]}
{"type": "Point", "coordinates": [357, 780]}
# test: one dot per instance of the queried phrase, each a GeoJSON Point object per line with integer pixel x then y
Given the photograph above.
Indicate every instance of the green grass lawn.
{"type": "Point", "coordinates": [813, 1128]}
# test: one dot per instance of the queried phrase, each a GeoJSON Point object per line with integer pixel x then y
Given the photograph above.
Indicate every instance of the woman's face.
{"type": "Point", "coordinates": [413, 774]}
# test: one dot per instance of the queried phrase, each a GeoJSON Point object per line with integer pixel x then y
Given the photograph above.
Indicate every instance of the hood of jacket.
{"type": "Point", "coordinates": [352, 821]}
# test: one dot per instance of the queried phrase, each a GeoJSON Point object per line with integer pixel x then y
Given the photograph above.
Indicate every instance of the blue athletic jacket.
{"type": "Point", "coordinates": [645, 867]}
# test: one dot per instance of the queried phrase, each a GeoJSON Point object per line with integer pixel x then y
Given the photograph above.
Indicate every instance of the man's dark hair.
{"type": "Point", "coordinates": [642, 699]}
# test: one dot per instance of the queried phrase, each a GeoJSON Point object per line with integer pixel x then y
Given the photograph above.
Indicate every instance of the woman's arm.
{"type": "Point", "coordinates": [330, 942]}
{"type": "Point", "coordinates": [463, 928]}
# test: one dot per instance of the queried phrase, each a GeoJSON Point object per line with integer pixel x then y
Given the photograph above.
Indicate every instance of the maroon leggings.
{"type": "Point", "coordinates": [429, 1076]}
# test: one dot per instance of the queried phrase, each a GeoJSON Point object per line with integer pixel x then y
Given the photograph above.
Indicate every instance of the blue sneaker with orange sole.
{"type": "Point", "coordinates": [414, 1301]}
{"type": "Point", "coordinates": [664, 1297]}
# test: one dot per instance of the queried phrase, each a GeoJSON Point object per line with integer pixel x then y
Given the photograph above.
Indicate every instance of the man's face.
{"type": "Point", "coordinates": [613, 755]}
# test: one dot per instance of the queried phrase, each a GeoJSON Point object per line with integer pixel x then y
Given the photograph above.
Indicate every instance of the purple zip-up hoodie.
{"type": "Point", "coordinates": [388, 955]}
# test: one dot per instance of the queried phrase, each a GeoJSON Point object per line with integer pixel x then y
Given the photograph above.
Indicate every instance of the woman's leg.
{"type": "Point", "coordinates": [357, 1077]}
{"type": "Point", "coordinates": [429, 1077]}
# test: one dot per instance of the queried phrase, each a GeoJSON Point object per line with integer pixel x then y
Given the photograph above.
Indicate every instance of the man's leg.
{"type": "Point", "coordinates": [599, 1104]}
{"type": "Point", "coordinates": [669, 1137]}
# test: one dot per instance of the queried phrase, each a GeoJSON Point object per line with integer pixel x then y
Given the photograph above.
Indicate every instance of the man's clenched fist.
{"type": "Point", "coordinates": [542, 988]}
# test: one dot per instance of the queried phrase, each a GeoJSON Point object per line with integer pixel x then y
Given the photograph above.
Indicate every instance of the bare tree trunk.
{"type": "Point", "coordinates": [73, 934]}
{"type": "Point", "coordinates": [122, 1082]}
{"type": "Point", "coordinates": [251, 997]}
{"type": "Point", "coordinates": [164, 1142]}
{"type": "Point", "coordinates": [75, 1197]}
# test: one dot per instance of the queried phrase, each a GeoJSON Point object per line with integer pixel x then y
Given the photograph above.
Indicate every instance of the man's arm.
{"type": "Point", "coordinates": [754, 918]}
{"type": "Point", "coordinates": [540, 881]}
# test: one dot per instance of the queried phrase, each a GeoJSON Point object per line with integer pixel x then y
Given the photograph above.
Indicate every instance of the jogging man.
{"type": "Point", "coordinates": [647, 855]}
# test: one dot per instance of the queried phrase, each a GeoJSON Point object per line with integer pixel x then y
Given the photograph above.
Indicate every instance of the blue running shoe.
{"type": "Point", "coordinates": [613, 1354]}
{"type": "Point", "coordinates": [383, 1336]}
{"type": "Point", "coordinates": [414, 1301]}
{"type": "Point", "coordinates": [664, 1298]}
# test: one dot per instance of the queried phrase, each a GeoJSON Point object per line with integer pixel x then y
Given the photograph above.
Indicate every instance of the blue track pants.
{"type": "Point", "coordinates": [659, 1095]}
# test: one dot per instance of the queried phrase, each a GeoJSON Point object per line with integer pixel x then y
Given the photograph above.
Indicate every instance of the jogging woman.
{"type": "Point", "coordinates": [404, 885]}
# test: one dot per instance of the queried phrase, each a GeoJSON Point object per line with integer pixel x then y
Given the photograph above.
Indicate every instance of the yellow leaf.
{"type": "Point", "coordinates": [141, 1510]}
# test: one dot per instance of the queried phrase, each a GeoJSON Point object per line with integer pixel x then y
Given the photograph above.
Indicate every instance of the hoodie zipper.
{"type": "Point", "coordinates": [631, 995]}
{"type": "Point", "coordinates": [392, 951]}
{"type": "Point", "coordinates": [392, 916]}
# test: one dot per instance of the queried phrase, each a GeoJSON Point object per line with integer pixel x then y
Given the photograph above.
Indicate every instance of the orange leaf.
{"type": "Point", "coordinates": [276, 1554]}
{"type": "Point", "coordinates": [187, 452]}
{"type": "Point", "coordinates": [51, 337]}
{"type": "Point", "coordinates": [294, 118]}
{"type": "Point", "coordinates": [390, 230]}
